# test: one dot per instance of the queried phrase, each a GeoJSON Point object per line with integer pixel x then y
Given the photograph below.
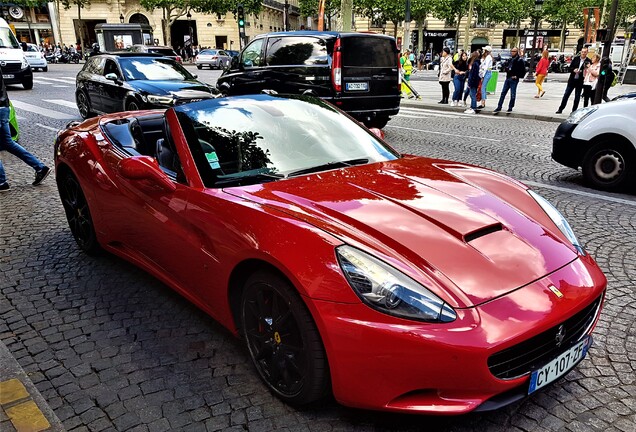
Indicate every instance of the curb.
{"type": "Point", "coordinates": [22, 407]}
{"type": "Point", "coordinates": [448, 108]}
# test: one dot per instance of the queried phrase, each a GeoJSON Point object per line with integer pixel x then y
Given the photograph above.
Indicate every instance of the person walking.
{"type": "Point", "coordinates": [575, 81]}
{"type": "Point", "coordinates": [590, 79]}
{"type": "Point", "coordinates": [407, 69]}
{"type": "Point", "coordinates": [473, 80]}
{"type": "Point", "coordinates": [460, 67]}
{"type": "Point", "coordinates": [515, 71]}
{"type": "Point", "coordinates": [421, 61]}
{"type": "Point", "coordinates": [606, 78]}
{"type": "Point", "coordinates": [445, 69]}
{"type": "Point", "coordinates": [7, 144]}
{"type": "Point", "coordinates": [541, 71]}
{"type": "Point", "coordinates": [412, 60]}
{"type": "Point", "coordinates": [485, 73]}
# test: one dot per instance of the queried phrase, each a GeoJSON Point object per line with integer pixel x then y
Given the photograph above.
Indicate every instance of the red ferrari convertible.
{"type": "Point", "coordinates": [396, 282]}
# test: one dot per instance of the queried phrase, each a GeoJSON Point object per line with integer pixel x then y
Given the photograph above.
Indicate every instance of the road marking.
{"type": "Point", "coordinates": [65, 81]}
{"type": "Point", "coordinates": [414, 115]}
{"type": "Point", "coordinates": [48, 127]}
{"type": "Point", "coordinates": [443, 133]}
{"type": "Point", "coordinates": [42, 111]}
{"type": "Point", "coordinates": [62, 102]}
{"type": "Point", "coordinates": [60, 86]}
{"type": "Point", "coordinates": [582, 193]}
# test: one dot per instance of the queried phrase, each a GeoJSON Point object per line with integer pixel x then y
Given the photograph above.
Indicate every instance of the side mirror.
{"type": "Point", "coordinates": [195, 76]}
{"type": "Point", "coordinates": [145, 168]}
{"type": "Point", "coordinates": [111, 77]}
{"type": "Point", "coordinates": [248, 63]}
{"type": "Point", "coordinates": [235, 62]}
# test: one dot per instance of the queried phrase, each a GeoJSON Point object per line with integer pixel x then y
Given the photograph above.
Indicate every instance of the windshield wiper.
{"type": "Point", "coordinates": [247, 180]}
{"type": "Point", "coordinates": [328, 166]}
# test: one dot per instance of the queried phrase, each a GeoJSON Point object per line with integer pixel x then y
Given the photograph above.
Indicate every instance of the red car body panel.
{"type": "Point", "coordinates": [475, 238]}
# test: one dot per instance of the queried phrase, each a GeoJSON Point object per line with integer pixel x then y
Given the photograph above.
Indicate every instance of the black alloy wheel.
{"type": "Point", "coordinates": [83, 105]}
{"type": "Point", "coordinates": [609, 167]}
{"type": "Point", "coordinates": [282, 340]}
{"type": "Point", "coordinates": [78, 214]}
{"type": "Point", "coordinates": [133, 105]}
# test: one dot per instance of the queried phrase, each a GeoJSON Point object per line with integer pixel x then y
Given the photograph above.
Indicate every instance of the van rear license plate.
{"type": "Point", "coordinates": [559, 366]}
{"type": "Point", "coordinates": [357, 86]}
{"type": "Point", "coordinates": [8, 76]}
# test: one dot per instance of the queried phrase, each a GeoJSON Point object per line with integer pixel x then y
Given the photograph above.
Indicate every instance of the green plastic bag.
{"type": "Point", "coordinates": [615, 80]}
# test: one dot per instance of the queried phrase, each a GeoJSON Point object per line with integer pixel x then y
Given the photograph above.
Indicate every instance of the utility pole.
{"type": "Point", "coordinates": [607, 44]}
{"type": "Point", "coordinates": [469, 19]}
{"type": "Point", "coordinates": [346, 6]}
{"type": "Point", "coordinates": [407, 26]}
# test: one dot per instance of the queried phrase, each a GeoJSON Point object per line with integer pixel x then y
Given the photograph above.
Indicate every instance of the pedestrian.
{"type": "Point", "coordinates": [445, 69]}
{"type": "Point", "coordinates": [541, 71]}
{"type": "Point", "coordinates": [460, 67]}
{"type": "Point", "coordinates": [407, 69]}
{"type": "Point", "coordinates": [473, 80]}
{"type": "Point", "coordinates": [590, 79]}
{"type": "Point", "coordinates": [412, 60]}
{"type": "Point", "coordinates": [607, 77]}
{"type": "Point", "coordinates": [575, 81]}
{"type": "Point", "coordinates": [427, 59]}
{"type": "Point", "coordinates": [515, 71]}
{"type": "Point", "coordinates": [485, 73]}
{"type": "Point", "coordinates": [7, 144]}
{"type": "Point", "coordinates": [421, 60]}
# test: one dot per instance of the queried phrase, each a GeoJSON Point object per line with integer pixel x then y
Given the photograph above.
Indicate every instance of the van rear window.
{"type": "Point", "coordinates": [368, 52]}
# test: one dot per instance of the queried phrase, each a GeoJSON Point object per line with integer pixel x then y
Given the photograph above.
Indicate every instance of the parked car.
{"type": "Point", "coordinates": [233, 53]}
{"type": "Point", "coordinates": [397, 282]}
{"type": "Point", "coordinates": [15, 67]}
{"type": "Point", "coordinates": [357, 72]}
{"type": "Point", "coordinates": [130, 81]}
{"type": "Point", "coordinates": [36, 58]}
{"type": "Point", "coordinates": [217, 59]}
{"type": "Point", "coordinates": [165, 51]}
{"type": "Point", "coordinates": [601, 140]}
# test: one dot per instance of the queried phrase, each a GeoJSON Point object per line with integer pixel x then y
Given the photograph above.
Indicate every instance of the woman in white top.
{"type": "Point", "coordinates": [485, 73]}
{"type": "Point", "coordinates": [590, 78]}
{"type": "Point", "coordinates": [445, 69]}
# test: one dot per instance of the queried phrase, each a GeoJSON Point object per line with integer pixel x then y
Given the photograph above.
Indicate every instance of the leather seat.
{"type": "Point", "coordinates": [165, 155]}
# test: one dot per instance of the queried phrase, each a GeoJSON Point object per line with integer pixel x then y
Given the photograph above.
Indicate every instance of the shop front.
{"type": "Point", "coordinates": [32, 25]}
{"type": "Point", "coordinates": [523, 38]}
{"type": "Point", "coordinates": [435, 41]}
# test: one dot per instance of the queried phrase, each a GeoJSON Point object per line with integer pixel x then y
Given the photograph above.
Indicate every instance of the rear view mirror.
{"type": "Point", "coordinates": [145, 168]}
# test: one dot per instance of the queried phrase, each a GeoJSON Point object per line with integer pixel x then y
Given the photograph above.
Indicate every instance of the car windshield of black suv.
{"type": "Point", "coordinates": [153, 68]}
{"type": "Point", "coordinates": [255, 139]}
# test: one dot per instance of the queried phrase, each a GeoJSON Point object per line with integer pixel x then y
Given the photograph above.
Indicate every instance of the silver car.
{"type": "Point", "coordinates": [35, 58]}
{"type": "Point", "coordinates": [217, 59]}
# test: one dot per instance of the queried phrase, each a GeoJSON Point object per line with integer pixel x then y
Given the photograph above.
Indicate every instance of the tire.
{"type": "Point", "coordinates": [45, 69]}
{"type": "Point", "coordinates": [133, 105]}
{"type": "Point", "coordinates": [377, 122]}
{"type": "Point", "coordinates": [28, 84]}
{"type": "Point", "coordinates": [83, 105]}
{"type": "Point", "coordinates": [78, 214]}
{"type": "Point", "coordinates": [199, 67]}
{"type": "Point", "coordinates": [282, 340]}
{"type": "Point", "coordinates": [610, 166]}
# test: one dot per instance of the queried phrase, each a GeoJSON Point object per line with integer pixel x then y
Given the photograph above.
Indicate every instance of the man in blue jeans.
{"type": "Point", "coordinates": [515, 71]}
{"type": "Point", "coordinates": [7, 144]}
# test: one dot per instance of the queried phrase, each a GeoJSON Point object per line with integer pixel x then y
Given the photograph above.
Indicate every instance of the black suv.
{"type": "Point", "coordinates": [132, 81]}
{"type": "Point", "coordinates": [357, 72]}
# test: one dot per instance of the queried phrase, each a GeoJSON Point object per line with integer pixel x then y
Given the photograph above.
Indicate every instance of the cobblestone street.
{"type": "Point", "coordinates": [110, 348]}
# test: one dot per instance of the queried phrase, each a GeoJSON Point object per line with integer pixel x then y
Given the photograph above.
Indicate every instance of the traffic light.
{"type": "Point", "coordinates": [240, 18]}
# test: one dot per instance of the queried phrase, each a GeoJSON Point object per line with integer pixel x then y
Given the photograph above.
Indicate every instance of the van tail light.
{"type": "Point", "coordinates": [399, 64]}
{"type": "Point", "coordinates": [336, 67]}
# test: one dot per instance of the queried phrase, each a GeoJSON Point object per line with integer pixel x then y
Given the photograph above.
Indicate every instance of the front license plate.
{"type": "Point", "coordinates": [358, 86]}
{"type": "Point", "coordinates": [559, 366]}
{"type": "Point", "coordinates": [8, 76]}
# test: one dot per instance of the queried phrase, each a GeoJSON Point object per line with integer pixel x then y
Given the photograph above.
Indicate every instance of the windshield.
{"type": "Point", "coordinates": [163, 51]}
{"type": "Point", "coordinates": [153, 68]}
{"type": "Point", "coordinates": [254, 139]}
{"type": "Point", "coordinates": [7, 38]}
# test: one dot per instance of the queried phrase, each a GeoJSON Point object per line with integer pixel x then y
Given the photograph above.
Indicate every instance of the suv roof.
{"type": "Point", "coordinates": [329, 34]}
{"type": "Point", "coordinates": [129, 54]}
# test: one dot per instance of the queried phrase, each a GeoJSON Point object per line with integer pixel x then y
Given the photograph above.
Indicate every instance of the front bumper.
{"type": "Point", "coordinates": [383, 363]}
{"type": "Point", "coordinates": [567, 150]}
{"type": "Point", "coordinates": [37, 63]}
{"type": "Point", "coordinates": [16, 75]}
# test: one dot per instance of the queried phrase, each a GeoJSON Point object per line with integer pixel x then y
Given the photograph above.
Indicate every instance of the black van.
{"type": "Point", "coordinates": [357, 72]}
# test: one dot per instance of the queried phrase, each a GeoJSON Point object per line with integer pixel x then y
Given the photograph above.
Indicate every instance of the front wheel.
{"type": "Point", "coordinates": [609, 167]}
{"type": "Point", "coordinates": [282, 340]}
{"type": "Point", "coordinates": [78, 214]}
{"type": "Point", "coordinates": [83, 105]}
{"type": "Point", "coordinates": [45, 69]}
{"type": "Point", "coordinates": [199, 66]}
{"type": "Point", "coordinates": [27, 84]}
{"type": "Point", "coordinates": [133, 105]}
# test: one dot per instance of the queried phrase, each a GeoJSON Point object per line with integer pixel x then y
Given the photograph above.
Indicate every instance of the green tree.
{"type": "Point", "coordinates": [419, 11]}
{"type": "Point", "coordinates": [389, 10]}
{"type": "Point", "coordinates": [80, 5]}
{"type": "Point", "coordinates": [566, 12]}
{"type": "Point", "coordinates": [510, 12]}
{"type": "Point", "coordinates": [309, 8]}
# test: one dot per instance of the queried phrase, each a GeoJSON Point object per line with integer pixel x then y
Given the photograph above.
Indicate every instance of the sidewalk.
{"type": "Point", "coordinates": [526, 106]}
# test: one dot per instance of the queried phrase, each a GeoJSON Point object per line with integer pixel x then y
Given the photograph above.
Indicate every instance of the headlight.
{"type": "Point", "coordinates": [577, 116]}
{"type": "Point", "coordinates": [24, 64]}
{"type": "Point", "coordinates": [160, 100]}
{"type": "Point", "coordinates": [390, 291]}
{"type": "Point", "coordinates": [558, 220]}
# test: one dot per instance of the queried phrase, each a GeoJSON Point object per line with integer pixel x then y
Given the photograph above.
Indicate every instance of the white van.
{"type": "Point", "coordinates": [15, 68]}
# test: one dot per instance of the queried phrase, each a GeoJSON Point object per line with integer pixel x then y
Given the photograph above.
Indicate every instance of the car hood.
{"type": "Point", "coordinates": [423, 218]}
{"type": "Point", "coordinates": [11, 54]}
{"type": "Point", "coordinates": [172, 87]}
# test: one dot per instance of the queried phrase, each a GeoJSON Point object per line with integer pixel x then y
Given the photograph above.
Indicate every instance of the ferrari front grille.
{"type": "Point", "coordinates": [530, 354]}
